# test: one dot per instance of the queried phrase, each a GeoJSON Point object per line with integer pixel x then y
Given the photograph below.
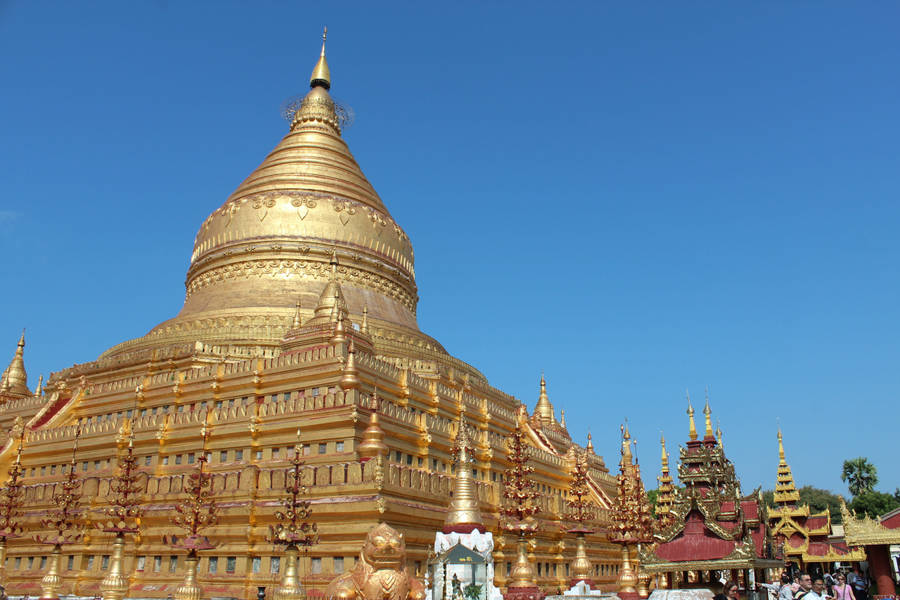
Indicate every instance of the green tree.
{"type": "Point", "coordinates": [769, 498]}
{"type": "Point", "coordinates": [874, 503]}
{"type": "Point", "coordinates": [819, 499]}
{"type": "Point", "coordinates": [860, 475]}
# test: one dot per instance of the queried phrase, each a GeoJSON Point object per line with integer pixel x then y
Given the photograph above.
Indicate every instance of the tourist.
{"type": "Point", "coordinates": [860, 584]}
{"type": "Point", "coordinates": [729, 592]}
{"type": "Point", "coordinates": [777, 588]}
{"type": "Point", "coordinates": [785, 590]}
{"type": "Point", "coordinates": [805, 586]}
{"type": "Point", "coordinates": [816, 591]}
{"type": "Point", "coordinates": [843, 590]}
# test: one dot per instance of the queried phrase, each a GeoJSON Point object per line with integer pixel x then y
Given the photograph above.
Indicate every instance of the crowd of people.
{"type": "Point", "coordinates": [841, 585]}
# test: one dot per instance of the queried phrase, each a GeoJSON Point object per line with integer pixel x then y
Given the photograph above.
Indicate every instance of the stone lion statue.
{"type": "Point", "coordinates": [380, 573]}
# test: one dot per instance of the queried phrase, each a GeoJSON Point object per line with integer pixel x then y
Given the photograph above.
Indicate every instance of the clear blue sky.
{"type": "Point", "coordinates": [636, 199]}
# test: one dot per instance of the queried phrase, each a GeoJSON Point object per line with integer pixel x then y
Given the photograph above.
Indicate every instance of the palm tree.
{"type": "Point", "coordinates": [860, 475]}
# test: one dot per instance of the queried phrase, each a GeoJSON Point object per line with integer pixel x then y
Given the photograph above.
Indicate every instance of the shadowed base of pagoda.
{"type": "Point", "coordinates": [523, 593]}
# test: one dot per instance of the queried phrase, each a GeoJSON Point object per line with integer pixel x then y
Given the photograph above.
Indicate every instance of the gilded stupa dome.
{"type": "Point", "coordinates": [271, 243]}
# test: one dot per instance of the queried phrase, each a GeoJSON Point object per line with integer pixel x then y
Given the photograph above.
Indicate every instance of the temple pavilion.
{"type": "Point", "coordinates": [709, 529]}
{"type": "Point", "coordinates": [802, 535]}
{"type": "Point", "coordinates": [299, 312]}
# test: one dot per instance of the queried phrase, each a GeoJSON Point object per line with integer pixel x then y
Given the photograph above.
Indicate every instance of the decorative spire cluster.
{"type": "Point", "coordinates": [65, 521]}
{"type": "Point", "coordinates": [631, 515]}
{"type": "Point", "coordinates": [198, 510]}
{"type": "Point", "coordinates": [518, 488]}
{"type": "Point", "coordinates": [581, 509]}
{"type": "Point", "coordinates": [294, 527]}
{"type": "Point", "coordinates": [11, 493]}
{"type": "Point", "coordinates": [124, 489]}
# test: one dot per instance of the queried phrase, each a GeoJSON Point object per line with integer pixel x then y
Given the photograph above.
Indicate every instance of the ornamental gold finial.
{"type": "Point", "coordinates": [334, 264]}
{"type": "Point", "coordinates": [692, 432]}
{"type": "Point", "coordinates": [544, 409]}
{"type": "Point", "coordinates": [16, 379]}
{"type": "Point", "coordinates": [626, 443]}
{"type": "Point", "coordinates": [707, 415]}
{"type": "Point", "coordinates": [349, 379]}
{"type": "Point", "coordinates": [562, 418]}
{"type": "Point", "coordinates": [321, 75]}
{"type": "Point", "coordinates": [780, 448]}
{"type": "Point", "coordinates": [364, 327]}
{"type": "Point", "coordinates": [665, 455]}
{"type": "Point", "coordinates": [590, 444]}
{"type": "Point", "coordinates": [297, 321]}
{"type": "Point", "coordinates": [372, 444]}
{"type": "Point", "coordinates": [719, 435]}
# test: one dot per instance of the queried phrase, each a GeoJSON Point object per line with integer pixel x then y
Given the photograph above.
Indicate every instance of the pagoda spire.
{"type": "Point", "coordinates": [321, 75]}
{"type": "Point", "coordinates": [666, 496]}
{"type": "Point", "coordinates": [786, 493]}
{"type": "Point", "coordinates": [707, 417]}
{"type": "Point", "coordinates": [692, 431]}
{"type": "Point", "coordinates": [464, 515]}
{"type": "Point", "coordinates": [16, 381]}
{"type": "Point", "coordinates": [590, 444]}
{"type": "Point", "coordinates": [626, 447]}
{"type": "Point", "coordinates": [543, 410]}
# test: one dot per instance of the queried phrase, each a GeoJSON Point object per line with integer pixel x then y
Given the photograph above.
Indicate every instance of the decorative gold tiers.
{"type": "Point", "coordinates": [270, 245]}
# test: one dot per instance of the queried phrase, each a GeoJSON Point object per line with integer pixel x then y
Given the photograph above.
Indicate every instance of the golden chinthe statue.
{"type": "Point", "coordinates": [299, 311]}
{"type": "Point", "coordinates": [380, 573]}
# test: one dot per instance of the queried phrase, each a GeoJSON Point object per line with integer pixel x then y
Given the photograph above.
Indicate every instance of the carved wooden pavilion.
{"type": "Point", "coordinates": [711, 527]}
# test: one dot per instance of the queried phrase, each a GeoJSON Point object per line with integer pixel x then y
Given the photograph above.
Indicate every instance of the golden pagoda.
{"type": "Point", "coordinates": [803, 536]}
{"type": "Point", "coordinates": [300, 303]}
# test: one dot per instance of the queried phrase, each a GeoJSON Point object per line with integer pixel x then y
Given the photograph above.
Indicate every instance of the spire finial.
{"type": "Point", "coordinates": [297, 321]}
{"type": "Point", "coordinates": [692, 431]}
{"type": "Point", "coordinates": [321, 75]}
{"type": "Point", "coordinates": [544, 409]}
{"type": "Point", "coordinates": [15, 381]}
{"type": "Point", "coordinates": [562, 418]}
{"type": "Point", "coordinates": [719, 434]}
{"type": "Point", "coordinates": [707, 415]}
{"type": "Point", "coordinates": [780, 447]}
{"type": "Point", "coordinates": [590, 444]}
{"type": "Point", "coordinates": [665, 455]}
